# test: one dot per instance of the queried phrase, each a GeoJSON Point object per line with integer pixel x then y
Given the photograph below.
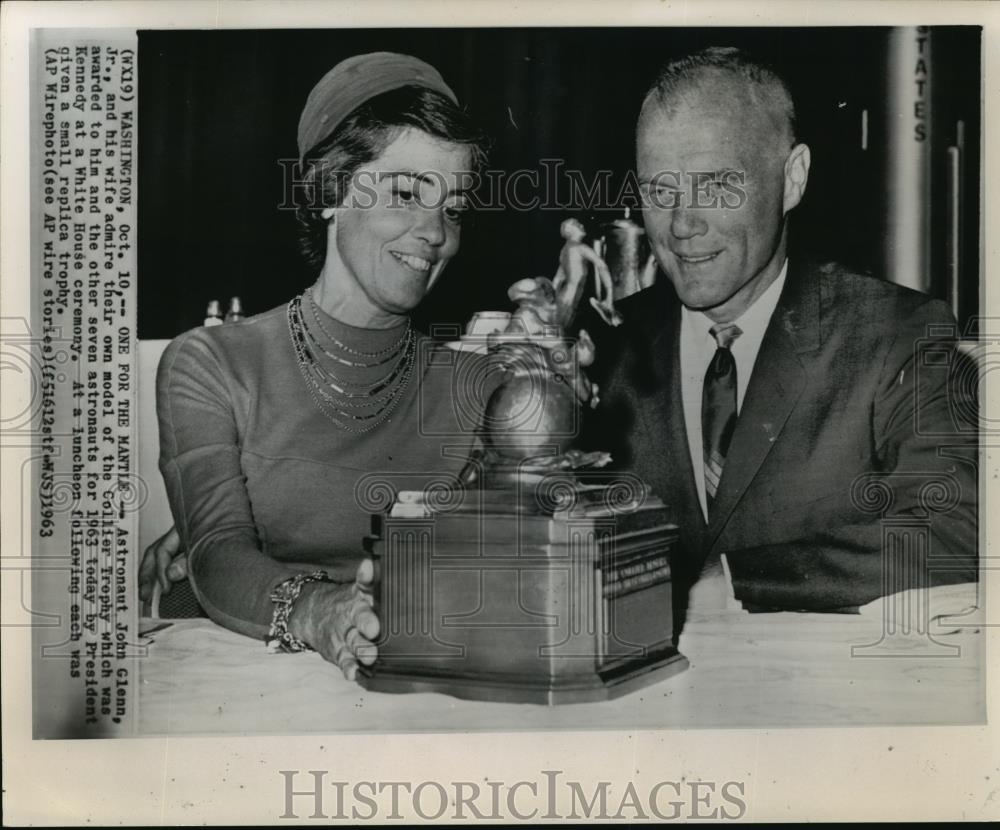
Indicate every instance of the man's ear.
{"type": "Point", "coordinates": [796, 176]}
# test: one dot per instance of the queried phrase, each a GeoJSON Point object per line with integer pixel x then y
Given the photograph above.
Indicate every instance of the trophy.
{"type": "Point", "coordinates": [541, 577]}
{"type": "Point", "coordinates": [624, 248]}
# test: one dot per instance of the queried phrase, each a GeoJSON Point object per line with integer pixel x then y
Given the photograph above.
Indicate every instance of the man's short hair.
{"type": "Point", "coordinates": [763, 82]}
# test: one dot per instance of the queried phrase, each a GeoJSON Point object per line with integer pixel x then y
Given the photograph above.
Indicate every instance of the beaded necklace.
{"type": "Point", "coordinates": [392, 350]}
{"type": "Point", "coordinates": [339, 399]}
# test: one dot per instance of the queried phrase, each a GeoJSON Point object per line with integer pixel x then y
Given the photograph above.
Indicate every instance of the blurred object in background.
{"type": "Point", "coordinates": [213, 314]}
{"type": "Point", "coordinates": [235, 312]}
{"type": "Point", "coordinates": [624, 247]}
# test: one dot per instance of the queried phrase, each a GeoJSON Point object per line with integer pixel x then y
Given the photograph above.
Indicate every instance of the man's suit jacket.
{"type": "Point", "coordinates": [856, 430]}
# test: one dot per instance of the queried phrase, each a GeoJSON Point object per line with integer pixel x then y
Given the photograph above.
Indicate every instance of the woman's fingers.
{"type": "Point", "coordinates": [178, 568]}
{"type": "Point", "coordinates": [354, 639]}
{"type": "Point", "coordinates": [156, 560]}
{"type": "Point", "coordinates": [353, 650]}
{"type": "Point", "coordinates": [353, 626]}
{"type": "Point", "coordinates": [360, 646]}
{"type": "Point", "coordinates": [357, 613]}
{"type": "Point", "coordinates": [366, 621]}
{"type": "Point", "coordinates": [366, 574]}
{"type": "Point", "coordinates": [348, 665]}
{"type": "Point", "coordinates": [340, 622]}
{"type": "Point", "coordinates": [361, 629]}
{"type": "Point", "coordinates": [167, 547]}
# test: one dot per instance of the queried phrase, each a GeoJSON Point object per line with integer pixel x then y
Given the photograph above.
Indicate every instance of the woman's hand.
{"type": "Point", "coordinates": [339, 621]}
{"type": "Point", "coordinates": [163, 562]}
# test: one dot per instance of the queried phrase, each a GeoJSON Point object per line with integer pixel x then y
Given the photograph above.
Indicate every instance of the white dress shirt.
{"type": "Point", "coordinates": [697, 349]}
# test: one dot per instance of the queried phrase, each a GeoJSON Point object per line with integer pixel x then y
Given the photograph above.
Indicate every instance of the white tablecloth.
{"type": "Point", "coordinates": [747, 670]}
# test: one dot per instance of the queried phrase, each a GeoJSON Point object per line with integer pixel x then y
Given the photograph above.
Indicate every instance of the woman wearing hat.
{"type": "Point", "coordinates": [268, 428]}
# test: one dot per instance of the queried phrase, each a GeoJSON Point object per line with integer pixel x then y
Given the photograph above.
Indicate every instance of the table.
{"type": "Point", "coordinates": [747, 670]}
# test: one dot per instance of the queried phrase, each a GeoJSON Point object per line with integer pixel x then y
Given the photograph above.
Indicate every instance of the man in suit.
{"type": "Point", "coordinates": [786, 411]}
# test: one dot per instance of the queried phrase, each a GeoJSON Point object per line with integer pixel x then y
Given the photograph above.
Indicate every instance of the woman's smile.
{"type": "Point", "coordinates": [414, 263]}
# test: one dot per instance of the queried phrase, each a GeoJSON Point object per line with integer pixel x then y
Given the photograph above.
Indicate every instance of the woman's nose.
{"type": "Point", "coordinates": [430, 226]}
{"type": "Point", "coordinates": [686, 223]}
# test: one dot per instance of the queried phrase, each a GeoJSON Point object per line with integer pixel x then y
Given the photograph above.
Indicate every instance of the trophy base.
{"type": "Point", "coordinates": [605, 684]}
{"type": "Point", "coordinates": [557, 593]}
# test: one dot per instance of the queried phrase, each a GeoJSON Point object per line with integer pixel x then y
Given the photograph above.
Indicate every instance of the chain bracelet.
{"type": "Point", "coordinates": [279, 638]}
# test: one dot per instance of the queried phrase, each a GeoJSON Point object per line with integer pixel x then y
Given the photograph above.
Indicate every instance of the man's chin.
{"type": "Point", "coordinates": [696, 292]}
{"type": "Point", "coordinates": [698, 300]}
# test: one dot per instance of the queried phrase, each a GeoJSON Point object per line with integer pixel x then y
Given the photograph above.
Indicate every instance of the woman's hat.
{"type": "Point", "coordinates": [356, 80]}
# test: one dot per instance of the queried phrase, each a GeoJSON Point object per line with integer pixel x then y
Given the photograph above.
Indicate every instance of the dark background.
{"type": "Point", "coordinates": [218, 109]}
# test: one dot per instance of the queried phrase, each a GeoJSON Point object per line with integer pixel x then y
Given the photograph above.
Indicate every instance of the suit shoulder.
{"type": "Point", "coordinates": [867, 299]}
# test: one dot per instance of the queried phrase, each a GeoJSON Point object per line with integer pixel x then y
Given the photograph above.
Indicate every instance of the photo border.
{"type": "Point", "coordinates": [870, 773]}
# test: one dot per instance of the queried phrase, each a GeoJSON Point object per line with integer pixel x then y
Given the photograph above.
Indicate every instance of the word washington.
{"type": "Point", "coordinates": [307, 794]}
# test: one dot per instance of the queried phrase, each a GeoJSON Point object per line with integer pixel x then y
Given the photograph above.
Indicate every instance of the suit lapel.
{"type": "Point", "coordinates": [668, 422]}
{"type": "Point", "coordinates": [776, 384]}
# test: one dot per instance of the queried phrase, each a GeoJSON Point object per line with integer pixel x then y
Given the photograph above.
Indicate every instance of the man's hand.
{"type": "Point", "coordinates": [713, 592]}
{"type": "Point", "coordinates": [163, 562]}
{"type": "Point", "coordinates": [339, 621]}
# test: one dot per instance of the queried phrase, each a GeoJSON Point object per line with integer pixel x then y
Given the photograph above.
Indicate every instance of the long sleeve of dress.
{"type": "Point", "coordinates": [263, 485]}
{"type": "Point", "coordinates": [200, 463]}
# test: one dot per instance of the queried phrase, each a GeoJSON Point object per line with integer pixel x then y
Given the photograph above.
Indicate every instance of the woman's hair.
{"type": "Point", "coordinates": [327, 169]}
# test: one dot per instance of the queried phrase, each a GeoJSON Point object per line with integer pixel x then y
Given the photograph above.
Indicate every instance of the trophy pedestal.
{"type": "Point", "coordinates": [486, 596]}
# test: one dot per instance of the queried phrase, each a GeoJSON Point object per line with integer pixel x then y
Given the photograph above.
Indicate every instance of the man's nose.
{"type": "Point", "coordinates": [686, 223]}
{"type": "Point", "coordinates": [430, 226]}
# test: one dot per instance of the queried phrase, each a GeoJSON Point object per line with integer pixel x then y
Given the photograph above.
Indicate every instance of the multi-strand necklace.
{"type": "Point", "coordinates": [355, 407]}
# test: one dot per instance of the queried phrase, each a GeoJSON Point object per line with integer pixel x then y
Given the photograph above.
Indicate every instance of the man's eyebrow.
{"type": "Point", "coordinates": [422, 177]}
{"type": "Point", "coordinates": [663, 177]}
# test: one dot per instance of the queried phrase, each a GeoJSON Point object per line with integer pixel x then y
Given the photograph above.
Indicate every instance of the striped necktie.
{"type": "Point", "coordinates": [718, 406]}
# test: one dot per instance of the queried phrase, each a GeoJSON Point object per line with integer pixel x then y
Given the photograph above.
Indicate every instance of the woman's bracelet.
{"type": "Point", "coordinates": [279, 638]}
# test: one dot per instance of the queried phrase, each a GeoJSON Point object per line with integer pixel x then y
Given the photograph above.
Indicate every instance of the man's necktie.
{"type": "Point", "coordinates": [718, 406]}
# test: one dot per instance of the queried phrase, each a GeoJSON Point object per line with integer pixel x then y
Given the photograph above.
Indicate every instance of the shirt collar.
{"type": "Point", "coordinates": [752, 321]}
